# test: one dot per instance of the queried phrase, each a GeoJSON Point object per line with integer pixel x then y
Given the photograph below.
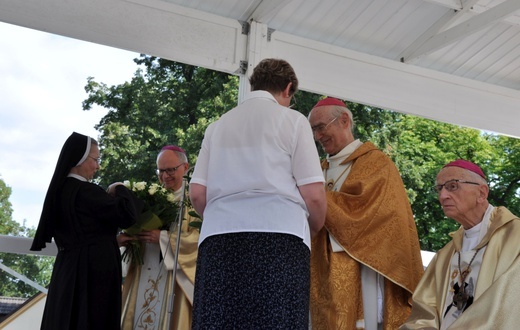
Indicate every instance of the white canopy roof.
{"type": "Point", "coordinates": [455, 61]}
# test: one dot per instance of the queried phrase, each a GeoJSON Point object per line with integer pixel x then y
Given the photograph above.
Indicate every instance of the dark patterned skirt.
{"type": "Point", "coordinates": [252, 281]}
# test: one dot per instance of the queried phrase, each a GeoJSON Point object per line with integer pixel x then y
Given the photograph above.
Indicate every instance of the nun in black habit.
{"type": "Point", "coordinates": [85, 288]}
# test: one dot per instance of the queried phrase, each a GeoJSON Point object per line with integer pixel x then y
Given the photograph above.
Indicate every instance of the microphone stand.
{"type": "Point", "coordinates": [176, 252]}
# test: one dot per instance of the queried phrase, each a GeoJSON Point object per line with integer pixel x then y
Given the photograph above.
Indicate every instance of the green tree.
{"type": "Point", "coordinates": [503, 172]}
{"type": "Point", "coordinates": [420, 150]}
{"type": "Point", "coordinates": [164, 103]}
{"type": "Point", "coordinates": [38, 269]}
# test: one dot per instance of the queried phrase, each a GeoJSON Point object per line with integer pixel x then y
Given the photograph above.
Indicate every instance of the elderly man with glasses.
{"type": "Point", "coordinates": [153, 277]}
{"type": "Point", "coordinates": [472, 282]}
{"type": "Point", "coordinates": [366, 262]}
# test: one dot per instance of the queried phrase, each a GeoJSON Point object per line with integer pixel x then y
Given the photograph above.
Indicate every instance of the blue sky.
{"type": "Point", "coordinates": [41, 90]}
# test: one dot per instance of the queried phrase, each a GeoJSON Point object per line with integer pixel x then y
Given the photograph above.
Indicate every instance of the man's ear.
{"type": "Point", "coordinates": [483, 192]}
{"type": "Point", "coordinates": [345, 119]}
{"type": "Point", "coordinates": [287, 90]}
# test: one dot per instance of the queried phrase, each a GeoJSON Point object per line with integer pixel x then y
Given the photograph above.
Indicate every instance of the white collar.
{"type": "Point", "coordinates": [344, 153]}
{"type": "Point", "coordinates": [260, 94]}
{"type": "Point", "coordinates": [76, 176]}
{"type": "Point", "coordinates": [474, 235]}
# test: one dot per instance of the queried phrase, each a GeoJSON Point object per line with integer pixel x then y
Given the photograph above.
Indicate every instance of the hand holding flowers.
{"type": "Point", "coordinates": [150, 236]}
{"type": "Point", "coordinates": [159, 212]}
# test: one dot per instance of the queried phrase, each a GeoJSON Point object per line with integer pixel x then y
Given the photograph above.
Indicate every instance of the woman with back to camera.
{"type": "Point", "coordinates": [259, 185]}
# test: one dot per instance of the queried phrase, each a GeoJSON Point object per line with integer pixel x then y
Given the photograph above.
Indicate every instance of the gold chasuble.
{"type": "Point", "coordinates": [497, 291]}
{"type": "Point", "coordinates": [371, 218]}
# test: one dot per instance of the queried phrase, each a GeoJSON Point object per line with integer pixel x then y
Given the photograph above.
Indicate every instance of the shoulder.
{"type": "Point", "coordinates": [83, 186]}
{"type": "Point", "coordinates": [504, 225]}
{"type": "Point", "coordinates": [368, 155]}
{"type": "Point", "coordinates": [503, 220]}
{"type": "Point", "coordinates": [295, 117]}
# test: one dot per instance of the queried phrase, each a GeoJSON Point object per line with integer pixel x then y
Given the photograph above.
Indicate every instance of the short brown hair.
{"type": "Point", "coordinates": [273, 75]}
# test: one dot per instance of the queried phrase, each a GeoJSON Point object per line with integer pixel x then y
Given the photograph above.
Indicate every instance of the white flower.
{"type": "Point", "coordinates": [171, 198]}
{"type": "Point", "coordinates": [127, 184]}
{"type": "Point", "coordinates": [138, 186]}
{"type": "Point", "coordinates": [153, 188]}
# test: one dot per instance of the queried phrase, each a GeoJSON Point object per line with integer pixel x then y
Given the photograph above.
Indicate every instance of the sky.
{"type": "Point", "coordinates": [42, 80]}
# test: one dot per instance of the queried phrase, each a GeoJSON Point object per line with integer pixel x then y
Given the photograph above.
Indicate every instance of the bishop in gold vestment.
{"type": "Point", "coordinates": [370, 217]}
{"type": "Point", "coordinates": [492, 282]}
{"type": "Point", "coordinates": [147, 288]}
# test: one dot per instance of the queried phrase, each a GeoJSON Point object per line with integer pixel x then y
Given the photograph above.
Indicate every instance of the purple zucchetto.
{"type": "Point", "coordinates": [468, 166]}
{"type": "Point", "coordinates": [173, 148]}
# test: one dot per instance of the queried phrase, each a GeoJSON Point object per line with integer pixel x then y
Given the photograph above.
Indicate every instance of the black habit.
{"type": "Point", "coordinates": [85, 288]}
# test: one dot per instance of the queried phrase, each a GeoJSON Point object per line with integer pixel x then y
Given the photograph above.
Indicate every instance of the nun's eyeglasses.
{"type": "Point", "coordinates": [98, 160]}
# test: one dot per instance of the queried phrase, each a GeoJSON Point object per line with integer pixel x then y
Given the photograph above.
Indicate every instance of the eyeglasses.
{"type": "Point", "coordinates": [98, 160]}
{"type": "Point", "coordinates": [169, 171]}
{"type": "Point", "coordinates": [320, 129]}
{"type": "Point", "coordinates": [451, 185]}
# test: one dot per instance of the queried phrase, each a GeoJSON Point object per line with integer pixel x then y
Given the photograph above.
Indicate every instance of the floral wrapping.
{"type": "Point", "coordinates": [159, 212]}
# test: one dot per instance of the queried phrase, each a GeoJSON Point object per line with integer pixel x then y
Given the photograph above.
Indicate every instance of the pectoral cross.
{"type": "Point", "coordinates": [460, 299]}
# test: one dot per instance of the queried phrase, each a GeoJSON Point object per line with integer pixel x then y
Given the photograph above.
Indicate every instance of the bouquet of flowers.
{"type": "Point", "coordinates": [160, 210]}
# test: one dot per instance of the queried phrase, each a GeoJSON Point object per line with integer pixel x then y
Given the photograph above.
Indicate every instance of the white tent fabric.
{"type": "Point", "coordinates": [455, 61]}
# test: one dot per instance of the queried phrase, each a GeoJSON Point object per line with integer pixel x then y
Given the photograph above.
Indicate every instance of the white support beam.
{"type": "Point", "coordinates": [378, 82]}
{"type": "Point", "coordinates": [259, 45]}
{"type": "Point", "coordinates": [23, 278]}
{"type": "Point", "coordinates": [512, 20]}
{"type": "Point", "coordinates": [448, 18]}
{"type": "Point", "coordinates": [22, 245]}
{"type": "Point", "coordinates": [257, 49]}
{"type": "Point", "coordinates": [266, 9]}
{"type": "Point", "coordinates": [454, 4]}
{"type": "Point", "coordinates": [472, 25]}
{"type": "Point", "coordinates": [151, 27]}
{"type": "Point", "coordinates": [474, 9]}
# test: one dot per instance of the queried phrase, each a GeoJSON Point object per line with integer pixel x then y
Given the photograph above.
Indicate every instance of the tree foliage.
{"type": "Point", "coordinates": [164, 103]}
{"type": "Point", "coordinates": [37, 269]}
{"type": "Point", "coordinates": [172, 103]}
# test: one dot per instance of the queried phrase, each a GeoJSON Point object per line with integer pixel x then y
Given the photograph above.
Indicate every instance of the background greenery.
{"type": "Point", "coordinates": [172, 103]}
{"type": "Point", "coordinates": [38, 269]}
